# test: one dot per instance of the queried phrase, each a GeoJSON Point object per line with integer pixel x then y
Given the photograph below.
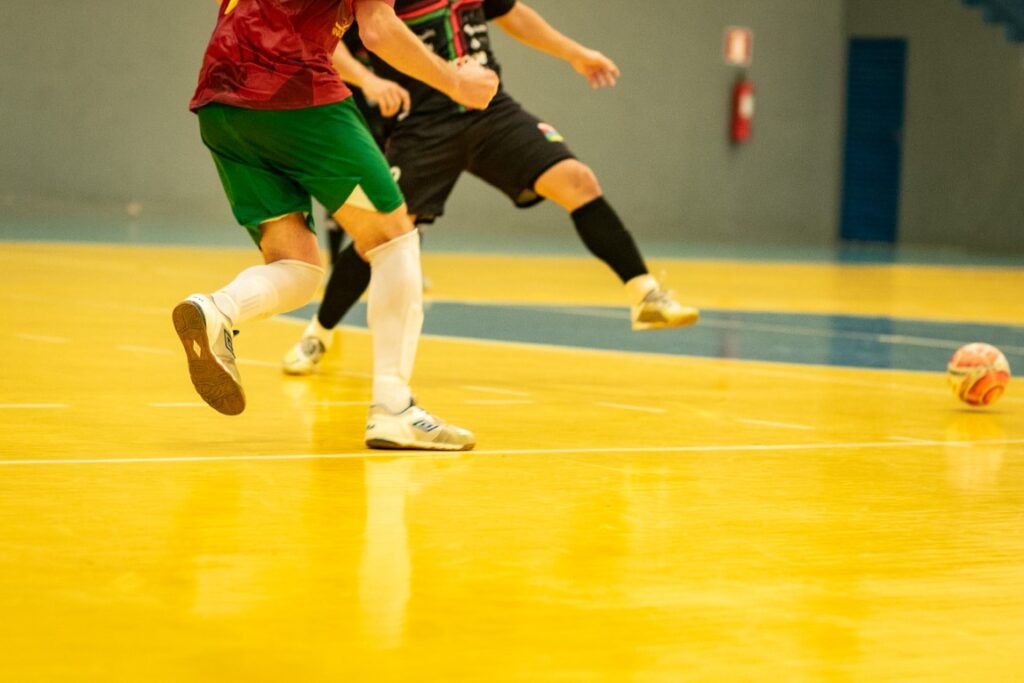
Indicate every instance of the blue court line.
{"type": "Point", "coordinates": [838, 340]}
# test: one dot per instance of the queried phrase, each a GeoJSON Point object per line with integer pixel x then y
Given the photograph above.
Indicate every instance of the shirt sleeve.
{"type": "Point", "coordinates": [497, 8]}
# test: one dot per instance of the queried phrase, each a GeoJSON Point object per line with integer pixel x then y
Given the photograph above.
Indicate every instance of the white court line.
{"type": "Point", "coordinates": [906, 439]}
{"type": "Point", "coordinates": [41, 338]}
{"type": "Point", "coordinates": [240, 361]}
{"type": "Point", "coordinates": [145, 349]}
{"type": "Point", "coordinates": [499, 402]}
{"type": "Point", "coordinates": [780, 425]}
{"type": "Point", "coordinates": [738, 448]}
{"type": "Point", "coordinates": [99, 262]}
{"type": "Point", "coordinates": [492, 390]}
{"type": "Point", "coordinates": [258, 363]}
{"type": "Point", "coordinates": [181, 404]}
{"type": "Point", "coordinates": [121, 308]}
{"type": "Point", "coordinates": [624, 406]}
{"type": "Point", "coordinates": [31, 406]}
{"type": "Point", "coordinates": [887, 386]}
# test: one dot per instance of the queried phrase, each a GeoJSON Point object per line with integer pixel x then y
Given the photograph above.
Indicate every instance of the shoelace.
{"type": "Point", "coordinates": [658, 296]}
{"type": "Point", "coordinates": [312, 347]}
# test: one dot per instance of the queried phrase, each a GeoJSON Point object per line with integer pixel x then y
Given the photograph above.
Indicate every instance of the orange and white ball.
{"type": "Point", "coordinates": [978, 373]}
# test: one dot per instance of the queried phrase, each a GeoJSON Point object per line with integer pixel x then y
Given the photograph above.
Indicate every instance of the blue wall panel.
{"type": "Point", "coordinates": [874, 130]}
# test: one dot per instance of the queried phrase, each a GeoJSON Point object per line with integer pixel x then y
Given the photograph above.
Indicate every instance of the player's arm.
{"type": "Point", "coordinates": [389, 96]}
{"type": "Point", "coordinates": [384, 34]}
{"type": "Point", "coordinates": [528, 27]}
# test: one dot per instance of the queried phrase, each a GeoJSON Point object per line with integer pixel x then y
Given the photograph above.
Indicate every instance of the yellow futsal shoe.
{"type": "Point", "coordinates": [414, 429]}
{"type": "Point", "coordinates": [207, 338]}
{"type": "Point", "coordinates": [659, 310]}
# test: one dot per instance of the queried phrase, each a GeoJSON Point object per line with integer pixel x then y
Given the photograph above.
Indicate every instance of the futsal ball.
{"type": "Point", "coordinates": [978, 373]}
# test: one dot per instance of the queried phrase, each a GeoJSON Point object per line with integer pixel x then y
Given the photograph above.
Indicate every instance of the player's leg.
{"type": "Point", "coordinates": [205, 323]}
{"type": "Point", "coordinates": [426, 173]}
{"type": "Point", "coordinates": [349, 278]}
{"type": "Point", "coordinates": [348, 281]}
{"type": "Point", "coordinates": [528, 160]}
{"type": "Point", "coordinates": [390, 244]}
{"type": "Point", "coordinates": [375, 217]}
{"type": "Point", "coordinates": [573, 186]}
{"type": "Point", "coordinates": [273, 209]}
{"type": "Point", "coordinates": [349, 275]}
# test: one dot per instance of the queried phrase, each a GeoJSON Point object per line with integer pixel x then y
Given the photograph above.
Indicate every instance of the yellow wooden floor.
{"type": "Point", "coordinates": [626, 517]}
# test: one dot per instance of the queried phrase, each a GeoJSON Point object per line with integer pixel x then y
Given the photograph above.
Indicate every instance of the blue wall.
{"type": "Point", "coordinates": [963, 148]}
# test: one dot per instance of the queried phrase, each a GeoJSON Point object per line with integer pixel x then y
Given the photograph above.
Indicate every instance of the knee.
{"type": "Point", "coordinates": [585, 182]}
{"type": "Point", "coordinates": [571, 184]}
{"type": "Point", "coordinates": [370, 230]}
{"type": "Point", "coordinates": [387, 233]}
{"type": "Point", "coordinates": [289, 238]}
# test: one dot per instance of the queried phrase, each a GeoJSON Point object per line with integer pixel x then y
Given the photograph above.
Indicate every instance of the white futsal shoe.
{"type": "Point", "coordinates": [658, 310]}
{"type": "Point", "coordinates": [207, 338]}
{"type": "Point", "coordinates": [305, 356]}
{"type": "Point", "coordinates": [414, 429]}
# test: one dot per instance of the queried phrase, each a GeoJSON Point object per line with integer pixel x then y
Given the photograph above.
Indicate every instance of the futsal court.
{"type": "Point", "coordinates": [787, 491]}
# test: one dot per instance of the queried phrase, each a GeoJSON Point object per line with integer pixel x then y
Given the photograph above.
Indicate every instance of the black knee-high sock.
{"type": "Point", "coordinates": [335, 238]}
{"type": "Point", "coordinates": [607, 238]}
{"type": "Point", "coordinates": [350, 277]}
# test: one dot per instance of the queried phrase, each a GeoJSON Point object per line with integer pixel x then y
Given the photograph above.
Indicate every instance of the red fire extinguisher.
{"type": "Point", "coordinates": [742, 110]}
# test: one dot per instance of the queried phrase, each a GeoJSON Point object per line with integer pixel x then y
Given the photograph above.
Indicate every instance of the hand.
{"type": "Point", "coordinates": [599, 71]}
{"type": "Point", "coordinates": [389, 96]}
{"type": "Point", "coordinates": [475, 85]}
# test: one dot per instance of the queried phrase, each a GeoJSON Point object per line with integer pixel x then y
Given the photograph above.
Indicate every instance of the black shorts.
{"type": "Point", "coordinates": [504, 145]}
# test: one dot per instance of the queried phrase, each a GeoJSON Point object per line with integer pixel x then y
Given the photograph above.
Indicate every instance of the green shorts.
{"type": "Point", "coordinates": [272, 162]}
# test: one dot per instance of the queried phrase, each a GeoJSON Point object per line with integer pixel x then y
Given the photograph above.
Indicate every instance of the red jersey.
{"type": "Point", "coordinates": [275, 54]}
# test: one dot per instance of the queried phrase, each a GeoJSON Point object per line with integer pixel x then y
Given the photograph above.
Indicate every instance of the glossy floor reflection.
{"type": "Point", "coordinates": [628, 516]}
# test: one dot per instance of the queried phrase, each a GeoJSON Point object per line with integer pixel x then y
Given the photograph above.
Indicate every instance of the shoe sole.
{"type": "Point", "coordinates": [212, 382]}
{"type": "Point", "coordinates": [387, 445]}
{"type": "Point", "coordinates": [664, 325]}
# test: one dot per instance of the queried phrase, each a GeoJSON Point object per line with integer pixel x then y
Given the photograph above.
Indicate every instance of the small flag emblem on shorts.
{"type": "Point", "coordinates": [550, 133]}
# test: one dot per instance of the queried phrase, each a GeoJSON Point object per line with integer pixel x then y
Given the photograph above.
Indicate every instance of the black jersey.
{"type": "Point", "coordinates": [451, 29]}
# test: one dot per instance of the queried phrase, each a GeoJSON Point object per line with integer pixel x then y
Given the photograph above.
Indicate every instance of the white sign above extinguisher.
{"type": "Point", "coordinates": [739, 46]}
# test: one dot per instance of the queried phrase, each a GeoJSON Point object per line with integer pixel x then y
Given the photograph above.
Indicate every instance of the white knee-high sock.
{"type": "Point", "coordinates": [262, 291]}
{"type": "Point", "coordinates": [395, 314]}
